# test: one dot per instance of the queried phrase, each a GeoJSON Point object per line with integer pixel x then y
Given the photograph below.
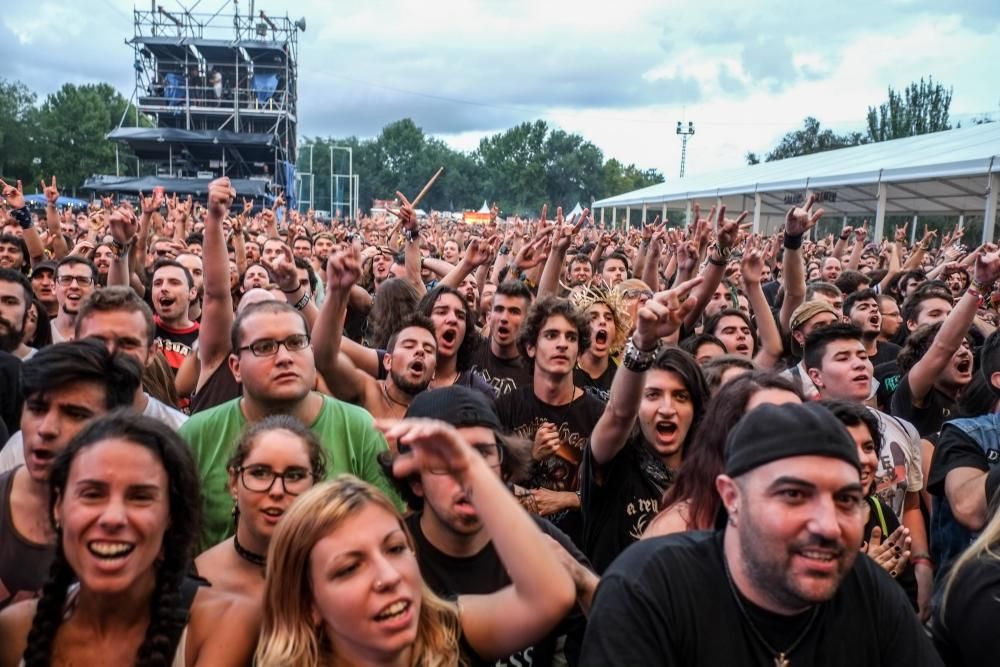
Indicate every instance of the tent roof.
{"type": "Point", "coordinates": [943, 172]}
{"type": "Point", "coordinates": [182, 186]}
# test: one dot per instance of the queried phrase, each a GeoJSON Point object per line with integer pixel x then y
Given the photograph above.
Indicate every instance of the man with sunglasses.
{"type": "Point", "coordinates": [75, 278]}
{"type": "Point", "coordinates": [454, 551]}
{"type": "Point", "coordinates": [272, 359]}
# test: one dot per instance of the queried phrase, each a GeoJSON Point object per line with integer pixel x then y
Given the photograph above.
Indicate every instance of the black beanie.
{"type": "Point", "coordinates": [772, 432]}
{"type": "Point", "coordinates": [456, 405]}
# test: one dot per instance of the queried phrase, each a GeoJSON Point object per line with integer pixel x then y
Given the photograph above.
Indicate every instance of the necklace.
{"type": "Point", "coordinates": [780, 657]}
{"type": "Point", "coordinates": [385, 392]}
{"type": "Point", "coordinates": [247, 555]}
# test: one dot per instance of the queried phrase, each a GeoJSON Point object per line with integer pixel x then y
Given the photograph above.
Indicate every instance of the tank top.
{"type": "Point", "coordinates": [220, 387]}
{"type": "Point", "coordinates": [24, 565]}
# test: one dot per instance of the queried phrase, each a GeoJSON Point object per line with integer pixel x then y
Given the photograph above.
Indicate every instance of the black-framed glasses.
{"type": "Point", "coordinates": [66, 281]}
{"type": "Point", "coordinates": [491, 451]}
{"type": "Point", "coordinates": [260, 479]}
{"type": "Point", "coordinates": [269, 347]}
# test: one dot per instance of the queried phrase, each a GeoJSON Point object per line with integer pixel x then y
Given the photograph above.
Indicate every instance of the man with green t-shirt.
{"type": "Point", "coordinates": [273, 360]}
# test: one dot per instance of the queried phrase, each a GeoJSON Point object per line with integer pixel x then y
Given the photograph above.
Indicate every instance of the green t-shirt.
{"type": "Point", "coordinates": [351, 442]}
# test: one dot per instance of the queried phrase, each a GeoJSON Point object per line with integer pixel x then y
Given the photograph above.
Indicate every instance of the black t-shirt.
{"type": "Point", "coordinates": [176, 344]}
{"type": "Point", "coordinates": [667, 601]}
{"type": "Point", "coordinates": [888, 376]}
{"type": "Point", "coordinates": [10, 393]}
{"type": "Point", "coordinates": [966, 633]}
{"type": "Point", "coordinates": [928, 420]}
{"type": "Point", "coordinates": [484, 573]}
{"type": "Point", "coordinates": [521, 412]}
{"type": "Point", "coordinates": [885, 352]}
{"type": "Point", "coordinates": [619, 499]}
{"type": "Point", "coordinates": [504, 375]}
{"type": "Point", "coordinates": [599, 387]}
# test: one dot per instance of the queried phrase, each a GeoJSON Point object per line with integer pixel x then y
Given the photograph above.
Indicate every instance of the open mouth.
{"type": "Point", "coordinates": [417, 367]}
{"type": "Point", "coordinates": [166, 302]}
{"type": "Point", "coordinates": [395, 610]}
{"type": "Point", "coordinates": [743, 349]}
{"type": "Point", "coordinates": [666, 428]}
{"type": "Point", "coordinates": [601, 337]}
{"type": "Point", "coordinates": [964, 366]}
{"type": "Point", "coordinates": [861, 378]}
{"type": "Point", "coordinates": [503, 331]}
{"type": "Point", "coordinates": [42, 455]}
{"type": "Point", "coordinates": [449, 336]}
{"type": "Point", "coordinates": [273, 512]}
{"type": "Point", "coordinates": [110, 550]}
{"type": "Point", "coordinates": [875, 320]}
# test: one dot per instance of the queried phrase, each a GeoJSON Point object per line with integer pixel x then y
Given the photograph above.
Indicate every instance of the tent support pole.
{"type": "Point", "coordinates": [880, 213]}
{"type": "Point", "coordinates": [602, 215]}
{"type": "Point", "coordinates": [644, 213]}
{"type": "Point", "coordinates": [663, 213]}
{"type": "Point", "coordinates": [687, 213]}
{"type": "Point", "coordinates": [913, 229]}
{"type": "Point", "coordinates": [614, 217]}
{"type": "Point", "coordinates": [756, 212]}
{"type": "Point", "coordinates": [990, 215]}
{"type": "Point", "coordinates": [628, 219]}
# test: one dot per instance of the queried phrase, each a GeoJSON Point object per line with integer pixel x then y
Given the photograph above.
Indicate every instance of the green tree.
{"type": "Point", "coordinates": [513, 164]}
{"type": "Point", "coordinates": [73, 123]}
{"type": "Point", "coordinates": [810, 139]}
{"type": "Point", "coordinates": [17, 120]}
{"type": "Point", "coordinates": [617, 178]}
{"type": "Point", "coordinates": [573, 169]}
{"type": "Point", "coordinates": [920, 108]}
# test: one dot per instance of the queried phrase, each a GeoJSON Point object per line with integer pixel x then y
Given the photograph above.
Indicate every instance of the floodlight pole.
{"type": "Point", "coordinates": [684, 134]}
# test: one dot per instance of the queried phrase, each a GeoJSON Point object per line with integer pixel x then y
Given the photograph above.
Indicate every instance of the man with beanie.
{"type": "Point", "coordinates": [454, 551]}
{"type": "Point", "coordinates": [781, 584]}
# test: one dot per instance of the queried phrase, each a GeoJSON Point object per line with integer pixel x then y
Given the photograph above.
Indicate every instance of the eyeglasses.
{"type": "Point", "coordinates": [66, 281]}
{"type": "Point", "coordinates": [269, 347]}
{"type": "Point", "coordinates": [491, 451]}
{"type": "Point", "coordinates": [260, 479]}
{"type": "Point", "coordinates": [637, 294]}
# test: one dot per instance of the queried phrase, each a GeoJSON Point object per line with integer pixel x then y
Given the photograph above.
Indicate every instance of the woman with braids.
{"type": "Point", "coordinates": [124, 504]}
{"type": "Point", "coordinates": [344, 588]}
{"type": "Point", "coordinates": [692, 503]}
{"type": "Point", "coordinates": [275, 461]}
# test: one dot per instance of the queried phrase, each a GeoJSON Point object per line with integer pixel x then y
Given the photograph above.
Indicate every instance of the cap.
{"type": "Point", "coordinates": [455, 405]}
{"type": "Point", "coordinates": [772, 432]}
{"type": "Point", "coordinates": [805, 312]}
{"type": "Point", "coordinates": [47, 265]}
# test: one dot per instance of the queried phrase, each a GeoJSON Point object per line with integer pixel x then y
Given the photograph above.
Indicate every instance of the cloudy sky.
{"type": "Point", "coordinates": [621, 73]}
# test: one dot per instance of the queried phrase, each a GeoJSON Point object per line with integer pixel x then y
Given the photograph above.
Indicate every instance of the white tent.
{"type": "Point", "coordinates": [484, 209]}
{"type": "Point", "coordinates": [577, 210]}
{"type": "Point", "coordinates": [955, 172]}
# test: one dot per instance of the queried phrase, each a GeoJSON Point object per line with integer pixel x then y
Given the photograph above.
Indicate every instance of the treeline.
{"type": "Point", "coordinates": [519, 168]}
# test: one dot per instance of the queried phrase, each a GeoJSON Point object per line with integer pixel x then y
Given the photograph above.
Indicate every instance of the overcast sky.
{"type": "Point", "coordinates": [620, 72]}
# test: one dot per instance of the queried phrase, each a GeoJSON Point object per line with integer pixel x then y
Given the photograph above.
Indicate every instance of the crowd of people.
{"type": "Point", "coordinates": [237, 435]}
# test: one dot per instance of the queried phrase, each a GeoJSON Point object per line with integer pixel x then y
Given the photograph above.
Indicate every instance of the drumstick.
{"type": "Point", "coordinates": [426, 188]}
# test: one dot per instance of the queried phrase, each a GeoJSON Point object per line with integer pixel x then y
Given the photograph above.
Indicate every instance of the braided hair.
{"type": "Point", "coordinates": [168, 612]}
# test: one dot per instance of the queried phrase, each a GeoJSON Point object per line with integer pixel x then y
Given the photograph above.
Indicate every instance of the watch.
{"type": "Point", "coordinates": [636, 360]}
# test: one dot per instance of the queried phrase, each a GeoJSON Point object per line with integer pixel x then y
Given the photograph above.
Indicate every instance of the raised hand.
{"type": "Point", "coordinates": [478, 252]}
{"type": "Point", "coordinates": [83, 249]}
{"type": "Point", "coordinates": [433, 446]}
{"type": "Point", "coordinates": [891, 553]}
{"type": "Point", "coordinates": [800, 219]}
{"type": "Point", "coordinates": [752, 264]}
{"type": "Point", "coordinates": [343, 269]}
{"type": "Point", "coordinates": [663, 314]}
{"type": "Point", "coordinates": [14, 196]}
{"type": "Point", "coordinates": [51, 191]}
{"type": "Point", "coordinates": [861, 233]}
{"type": "Point", "coordinates": [899, 235]}
{"type": "Point", "coordinates": [150, 205]}
{"type": "Point", "coordinates": [221, 196]}
{"type": "Point", "coordinates": [109, 202]}
{"type": "Point", "coordinates": [532, 254]}
{"type": "Point", "coordinates": [727, 229]}
{"type": "Point", "coordinates": [123, 226]}
{"type": "Point", "coordinates": [282, 268]}
{"type": "Point", "coordinates": [987, 268]}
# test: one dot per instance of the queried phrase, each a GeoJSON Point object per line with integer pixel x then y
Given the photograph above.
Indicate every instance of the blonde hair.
{"type": "Point", "coordinates": [984, 545]}
{"type": "Point", "coordinates": [289, 636]}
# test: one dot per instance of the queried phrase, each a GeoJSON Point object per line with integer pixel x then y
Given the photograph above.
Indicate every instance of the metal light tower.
{"type": "Point", "coordinates": [684, 141]}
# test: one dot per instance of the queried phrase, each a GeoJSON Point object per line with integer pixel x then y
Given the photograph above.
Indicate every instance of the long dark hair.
{"type": "Point", "coordinates": [168, 614]}
{"type": "Point", "coordinates": [703, 460]}
{"type": "Point", "coordinates": [463, 359]}
{"type": "Point", "coordinates": [394, 300]}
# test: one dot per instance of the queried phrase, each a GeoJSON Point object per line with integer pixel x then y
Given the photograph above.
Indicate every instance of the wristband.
{"type": "Point", "coordinates": [636, 360]}
{"type": "Point", "coordinates": [22, 217]}
{"type": "Point", "coordinates": [118, 250]}
{"type": "Point", "coordinates": [412, 234]}
{"type": "Point", "coordinates": [922, 559]}
{"type": "Point", "coordinates": [793, 242]}
{"type": "Point", "coordinates": [303, 302]}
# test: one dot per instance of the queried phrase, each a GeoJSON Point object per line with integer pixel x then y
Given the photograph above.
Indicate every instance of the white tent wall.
{"type": "Point", "coordinates": [951, 173]}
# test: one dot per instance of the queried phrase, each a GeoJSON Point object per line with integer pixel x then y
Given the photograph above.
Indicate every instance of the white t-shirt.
{"type": "Point", "coordinates": [12, 455]}
{"type": "Point", "coordinates": [899, 468]}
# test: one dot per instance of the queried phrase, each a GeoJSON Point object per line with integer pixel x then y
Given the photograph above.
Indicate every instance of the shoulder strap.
{"type": "Point", "coordinates": [881, 517]}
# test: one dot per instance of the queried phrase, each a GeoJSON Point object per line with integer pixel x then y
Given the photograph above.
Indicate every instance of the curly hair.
{"type": "Point", "coordinates": [584, 297]}
{"type": "Point", "coordinates": [168, 614]}
{"type": "Point", "coordinates": [539, 314]}
{"type": "Point", "coordinates": [704, 459]}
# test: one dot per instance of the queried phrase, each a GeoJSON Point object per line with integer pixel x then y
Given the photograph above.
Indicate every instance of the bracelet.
{"type": "Point", "coordinates": [119, 250]}
{"type": "Point", "coordinates": [303, 302]}
{"type": "Point", "coordinates": [292, 291]}
{"type": "Point", "coordinates": [22, 216]}
{"type": "Point", "coordinates": [412, 234]}
{"type": "Point", "coordinates": [922, 559]}
{"type": "Point", "coordinates": [793, 242]}
{"type": "Point", "coordinates": [716, 262]}
{"type": "Point", "coordinates": [636, 360]}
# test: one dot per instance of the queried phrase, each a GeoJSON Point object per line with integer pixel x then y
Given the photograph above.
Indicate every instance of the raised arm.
{"type": "Point", "coordinates": [297, 295]}
{"type": "Point", "coordinates": [541, 591]}
{"type": "Point", "coordinates": [549, 281]}
{"type": "Point", "coordinates": [661, 317]}
{"type": "Point", "coordinates": [956, 325]}
{"type": "Point", "coordinates": [14, 196]}
{"type": "Point", "coordinates": [476, 254]}
{"type": "Point", "coordinates": [346, 382]}
{"type": "Point", "coordinates": [59, 248]}
{"type": "Point", "coordinates": [217, 303]}
{"type": "Point", "coordinates": [771, 348]}
{"type": "Point", "coordinates": [798, 221]}
{"type": "Point", "coordinates": [726, 230]}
